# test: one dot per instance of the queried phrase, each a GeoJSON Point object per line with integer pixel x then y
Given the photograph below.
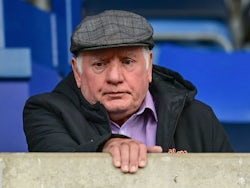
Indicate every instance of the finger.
{"type": "Point", "coordinates": [116, 156]}
{"type": "Point", "coordinates": [133, 157]}
{"type": "Point", "coordinates": [180, 151]}
{"type": "Point", "coordinates": [142, 156]}
{"type": "Point", "coordinates": [170, 151]}
{"type": "Point", "coordinates": [124, 153]}
{"type": "Point", "coordinates": [173, 150]}
{"type": "Point", "coordinates": [154, 149]}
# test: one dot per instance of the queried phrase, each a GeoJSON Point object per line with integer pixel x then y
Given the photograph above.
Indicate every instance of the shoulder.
{"type": "Point", "coordinates": [49, 101]}
{"type": "Point", "coordinates": [199, 118]}
{"type": "Point", "coordinates": [46, 98]}
{"type": "Point", "coordinates": [199, 111]}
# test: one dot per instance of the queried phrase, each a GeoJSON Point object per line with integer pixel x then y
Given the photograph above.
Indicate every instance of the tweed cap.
{"type": "Point", "coordinates": [112, 28]}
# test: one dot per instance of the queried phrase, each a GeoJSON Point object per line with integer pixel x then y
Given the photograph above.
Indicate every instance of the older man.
{"type": "Point", "coordinates": [117, 101]}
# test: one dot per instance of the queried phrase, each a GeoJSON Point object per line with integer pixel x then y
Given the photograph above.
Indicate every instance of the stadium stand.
{"type": "Point", "coordinates": [192, 37]}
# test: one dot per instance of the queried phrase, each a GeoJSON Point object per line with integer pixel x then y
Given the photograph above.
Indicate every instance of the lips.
{"type": "Point", "coordinates": [118, 94]}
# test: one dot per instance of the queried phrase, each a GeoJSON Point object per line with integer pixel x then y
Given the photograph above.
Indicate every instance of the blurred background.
{"type": "Point", "coordinates": [207, 41]}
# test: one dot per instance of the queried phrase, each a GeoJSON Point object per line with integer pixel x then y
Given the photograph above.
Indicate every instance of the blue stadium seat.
{"type": "Point", "coordinates": [26, 66]}
{"type": "Point", "coordinates": [221, 77]}
{"type": "Point", "coordinates": [15, 63]}
{"type": "Point", "coordinates": [212, 33]}
{"type": "Point", "coordinates": [238, 134]}
{"type": "Point", "coordinates": [29, 27]}
{"type": "Point", "coordinates": [13, 95]}
{"type": "Point", "coordinates": [215, 9]}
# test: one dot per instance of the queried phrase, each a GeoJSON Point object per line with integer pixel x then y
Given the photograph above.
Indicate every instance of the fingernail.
{"type": "Point", "coordinates": [142, 163]}
{"type": "Point", "coordinates": [133, 169]}
{"type": "Point", "coordinates": [125, 168]}
{"type": "Point", "coordinates": [117, 163]}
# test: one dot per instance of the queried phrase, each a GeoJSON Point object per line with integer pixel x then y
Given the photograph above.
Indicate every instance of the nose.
{"type": "Point", "coordinates": [115, 73]}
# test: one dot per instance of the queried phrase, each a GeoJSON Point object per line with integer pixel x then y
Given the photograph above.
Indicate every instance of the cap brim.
{"type": "Point", "coordinates": [112, 46]}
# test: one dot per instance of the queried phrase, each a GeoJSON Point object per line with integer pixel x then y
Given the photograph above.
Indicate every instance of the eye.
{"type": "Point", "coordinates": [98, 66]}
{"type": "Point", "coordinates": [128, 64]}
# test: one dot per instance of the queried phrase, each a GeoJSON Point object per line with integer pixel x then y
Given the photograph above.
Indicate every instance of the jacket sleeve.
{"type": "Point", "coordinates": [215, 138]}
{"type": "Point", "coordinates": [220, 139]}
{"type": "Point", "coordinates": [50, 127]}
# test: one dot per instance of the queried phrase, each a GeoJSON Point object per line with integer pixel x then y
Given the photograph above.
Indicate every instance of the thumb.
{"type": "Point", "coordinates": [154, 149]}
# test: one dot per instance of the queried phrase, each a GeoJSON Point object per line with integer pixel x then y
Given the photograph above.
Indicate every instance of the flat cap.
{"type": "Point", "coordinates": [112, 28]}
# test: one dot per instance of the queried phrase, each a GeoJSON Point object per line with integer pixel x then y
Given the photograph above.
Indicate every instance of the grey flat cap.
{"type": "Point", "coordinates": [112, 28]}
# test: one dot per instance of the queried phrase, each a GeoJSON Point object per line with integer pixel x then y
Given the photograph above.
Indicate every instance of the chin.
{"type": "Point", "coordinates": [117, 109]}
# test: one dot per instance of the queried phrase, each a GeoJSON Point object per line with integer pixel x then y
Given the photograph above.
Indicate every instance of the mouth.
{"type": "Point", "coordinates": [115, 95]}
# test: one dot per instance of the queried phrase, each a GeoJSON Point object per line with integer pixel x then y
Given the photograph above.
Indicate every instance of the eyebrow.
{"type": "Point", "coordinates": [129, 53]}
{"type": "Point", "coordinates": [122, 53]}
{"type": "Point", "coordinates": [97, 57]}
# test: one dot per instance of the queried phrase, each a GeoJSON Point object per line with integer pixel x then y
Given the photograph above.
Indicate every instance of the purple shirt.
{"type": "Point", "coordinates": [141, 125]}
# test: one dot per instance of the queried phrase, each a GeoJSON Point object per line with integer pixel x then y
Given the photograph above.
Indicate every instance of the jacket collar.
{"type": "Point", "coordinates": [171, 93]}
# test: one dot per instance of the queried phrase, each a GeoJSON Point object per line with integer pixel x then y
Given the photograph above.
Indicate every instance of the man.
{"type": "Point", "coordinates": [117, 101]}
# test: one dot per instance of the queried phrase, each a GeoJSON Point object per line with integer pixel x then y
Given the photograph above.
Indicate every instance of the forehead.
{"type": "Point", "coordinates": [120, 51]}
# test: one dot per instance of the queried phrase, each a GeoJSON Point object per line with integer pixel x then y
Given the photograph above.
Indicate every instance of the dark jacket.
{"type": "Point", "coordinates": [64, 121]}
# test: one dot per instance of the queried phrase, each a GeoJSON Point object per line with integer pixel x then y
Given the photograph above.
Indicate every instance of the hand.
{"type": "Point", "coordinates": [129, 154]}
{"type": "Point", "coordinates": [173, 150]}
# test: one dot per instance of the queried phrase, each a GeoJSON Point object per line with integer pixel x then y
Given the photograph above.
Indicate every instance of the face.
{"type": "Point", "coordinates": [116, 77]}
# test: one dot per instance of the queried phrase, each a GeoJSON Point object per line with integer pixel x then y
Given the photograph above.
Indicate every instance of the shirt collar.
{"type": "Point", "coordinates": [148, 103]}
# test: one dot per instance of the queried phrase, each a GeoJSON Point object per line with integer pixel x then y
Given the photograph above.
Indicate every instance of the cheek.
{"type": "Point", "coordinates": [140, 83]}
{"type": "Point", "coordinates": [91, 88]}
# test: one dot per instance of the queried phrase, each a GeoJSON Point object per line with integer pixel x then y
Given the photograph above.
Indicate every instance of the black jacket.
{"type": "Point", "coordinates": [64, 121]}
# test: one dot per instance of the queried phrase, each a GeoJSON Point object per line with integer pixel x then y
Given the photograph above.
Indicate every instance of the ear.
{"type": "Point", "coordinates": [77, 75]}
{"type": "Point", "coordinates": [150, 67]}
